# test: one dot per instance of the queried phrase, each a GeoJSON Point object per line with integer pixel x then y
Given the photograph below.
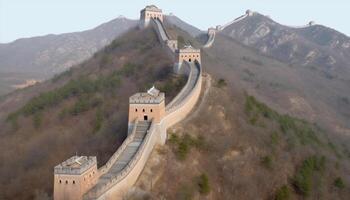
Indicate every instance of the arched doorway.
{"type": "Point", "coordinates": [189, 60]}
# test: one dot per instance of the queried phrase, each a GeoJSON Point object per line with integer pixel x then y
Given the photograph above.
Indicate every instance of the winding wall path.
{"type": "Point", "coordinates": [210, 41]}
{"type": "Point", "coordinates": [124, 167]}
{"type": "Point", "coordinates": [161, 30]}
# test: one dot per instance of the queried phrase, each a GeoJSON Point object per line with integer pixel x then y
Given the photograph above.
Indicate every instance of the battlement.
{"type": "Point", "coordinates": [147, 106]}
{"type": "Point", "coordinates": [76, 165]}
{"type": "Point", "coordinates": [189, 49]}
{"type": "Point", "coordinates": [152, 8]}
{"type": "Point", "coordinates": [152, 96]}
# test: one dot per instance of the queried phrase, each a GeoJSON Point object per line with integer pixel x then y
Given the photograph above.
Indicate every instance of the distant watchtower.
{"type": "Point", "coordinates": [147, 106]}
{"type": "Point", "coordinates": [148, 13]}
{"type": "Point", "coordinates": [74, 177]}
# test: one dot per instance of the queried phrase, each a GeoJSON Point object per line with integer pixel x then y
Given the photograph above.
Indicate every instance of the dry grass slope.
{"type": "Point", "coordinates": [244, 160]}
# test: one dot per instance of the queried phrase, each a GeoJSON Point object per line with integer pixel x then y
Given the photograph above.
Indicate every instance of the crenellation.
{"type": "Point", "coordinates": [75, 165]}
{"type": "Point", "coordinates": [147, 106]}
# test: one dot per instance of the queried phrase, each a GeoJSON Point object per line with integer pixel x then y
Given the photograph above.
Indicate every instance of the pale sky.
{"type": "Point", "coordinates": [28, 18]}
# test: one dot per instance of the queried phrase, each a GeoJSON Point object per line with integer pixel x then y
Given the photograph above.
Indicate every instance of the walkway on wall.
{"type": "Point", "coordinates": [141, 141]}
{"type": "Point", "coordinates": [192, 80]}
{"type": "Point", "coordinates": [163, 34]}
{"type": "Point", "coordinates": [123, 160]}
{"type": "Point", "coordinates": [207, 80]}
{"type": "Point", "coordinates": [210, 40]}
{"type": "Point", "coordinates": [121, 165]}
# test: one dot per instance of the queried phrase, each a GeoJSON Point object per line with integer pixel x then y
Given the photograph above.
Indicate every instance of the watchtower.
{"type": "Point", "coordinates": [147, 106]}
{"type": "Point", "coordinates": [148, 13]}
{"type": "Point", "coordinates": [74, 177]}
{"type": "Point", "coordinates": [188, 54]}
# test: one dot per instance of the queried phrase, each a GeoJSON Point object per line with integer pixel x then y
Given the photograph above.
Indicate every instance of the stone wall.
{"type": "Point", "coordinates": [164, 39]}
{"type": "Point", "coordinates": [211, 37]}
{"type": "Point", "coordinates": [175, 112]}
{"type": "Point", "coordinates": [156, 135]}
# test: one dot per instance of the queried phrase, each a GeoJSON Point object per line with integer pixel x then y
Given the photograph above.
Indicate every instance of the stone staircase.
{"type": "Point", "coordinates": [124, 158]}
{"type": "Point", "coordinates": [162, 31]}
{"type": "Point", "coordinates": [141, 130]}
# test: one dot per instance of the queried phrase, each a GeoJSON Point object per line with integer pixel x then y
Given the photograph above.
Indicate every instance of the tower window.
{"type": "Point", "coordinates": [60, 181]}
{"type": "Point", "coordinates": [66, 182]}
{"type": "Point", "coordinates": [151, 110]}
{"type": "Point", "coordinates": [73, 182]}
{"type": "Point", "coordinates": [136, 110]}
{"type": "Point", "coordinates": [143, 110]}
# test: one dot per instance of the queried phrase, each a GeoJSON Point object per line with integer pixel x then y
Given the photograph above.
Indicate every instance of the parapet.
{"type": "Point", "coordinates": [152, 8]}
{"type": "Point", "coordinates": [76, 165]}
{"type": "Point", "coordinates": [189, 49]}
{"type": "Point", "coordinates": [152, 96]}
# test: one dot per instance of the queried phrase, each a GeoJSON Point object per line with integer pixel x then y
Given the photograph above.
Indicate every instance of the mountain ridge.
{"type": "Point", "coordinates": [311, 45]}
{"type": "Point", "coordinates": [39, 58]}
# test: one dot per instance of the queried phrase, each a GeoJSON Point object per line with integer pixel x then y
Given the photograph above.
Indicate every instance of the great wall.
{"type": "Point", "coordinates": [79, 178]}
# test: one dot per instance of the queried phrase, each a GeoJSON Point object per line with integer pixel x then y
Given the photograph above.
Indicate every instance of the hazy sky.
{"type": "Point", "coordinates": [27, 18]}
